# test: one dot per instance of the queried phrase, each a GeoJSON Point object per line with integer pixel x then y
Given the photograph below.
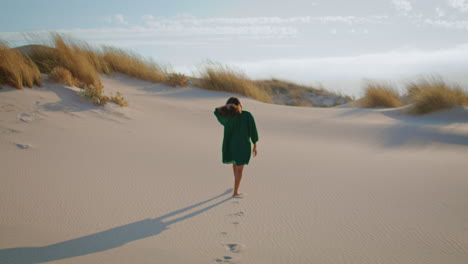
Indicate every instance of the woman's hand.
{"type": "Point", "coordinates": [254, 151]}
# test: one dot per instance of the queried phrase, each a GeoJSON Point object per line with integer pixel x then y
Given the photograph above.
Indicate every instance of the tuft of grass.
{"type": "Point", "coordinates": [73, 58]}
{"type": "Point", "coordinates": [46, 58]}
{"type": "Point", "coordinates": [177, 79]}
{"type": "Point", "coordinates": [118, 99]}
{"type": "Point", "coordinates": [69, 54]}
{"type": "Point", "coordinates": [218, 77]}
{"type": "Point", "coordinates": [62, 75]}
{"type": "Point", "coordinates": [433, 94]}
{"type": "Point", "coordinates": [132, 64]}
{"type": "Point", "coordinates": [77, 63]}
{"type": "Point", "coordinates": [16, 69]}
{"type": "Point", "coordinates": [380, 95]}
{"type": "Point", "coordinates": [96, 95]}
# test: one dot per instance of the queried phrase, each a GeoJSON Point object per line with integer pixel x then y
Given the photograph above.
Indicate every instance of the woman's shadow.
{"type": "Point", "coordinates": [104, 240]}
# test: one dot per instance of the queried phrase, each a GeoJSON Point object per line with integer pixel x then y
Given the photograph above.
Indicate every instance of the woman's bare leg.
{"type": "Point", "coordinates": [237, 178]}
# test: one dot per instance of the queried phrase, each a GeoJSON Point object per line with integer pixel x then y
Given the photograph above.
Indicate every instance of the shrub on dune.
{"type": "Point", "coordinates": [96, 95]}
{"type": "Point", "coordinates": [177, 79]}
{"type": "Point", "coordinates": [133, 65]}
{"type": "Point", "coordinates": [46, 58]}
{"type": "Point", "coordinates": [222, 78]}
{"type": "Point", "coordinates": [72, 58]}
{"type": "Point", "coordinates": [16, 69]}
{"type": "Point", "coordinates": [61, 75]}
{"type": "Point", "coordinates": [118, 99]}
{"type": "Point", "coordinates": [75, 63]}
{"type": "Point", "coordinates": [70, 55]}
{"type": "Point", "coordinates": [433, 94]}
{"type": "Point", "coordinates": [380, 95]}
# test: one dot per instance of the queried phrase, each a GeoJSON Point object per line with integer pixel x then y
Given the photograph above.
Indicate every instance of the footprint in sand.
{"type": "Point", "coordinates": [234, 248]}
{"type": "Point", "coordinates": [225, 259]}
{"type": "Point", "coordinates": [237, 214]}
{"type": "Point", "coordinates": [26, 117]}
{"type": "Point", "coordinates": [6, 130]}
{"type": "Point", "coordinates": [23, 146]}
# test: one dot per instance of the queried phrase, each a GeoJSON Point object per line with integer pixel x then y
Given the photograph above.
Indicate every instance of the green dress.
{"type": "Point", "coordinates": [238, 132]}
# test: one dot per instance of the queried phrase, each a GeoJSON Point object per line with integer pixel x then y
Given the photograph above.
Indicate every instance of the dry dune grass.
{"type": "Point", "coordinates": [380, 95]}
{"type": "Point", "coordinates": [46, 58]}
{"type": "Point", "coordinates": [177, 79]}
{"type": "Point", "coordinates": [62, 75]}
{"type": "Point", "coordinates": [133, 65]}
{"type": "Point", "coordinates": [70, 55]}
{"type": "Point", "coordinates": [77, 63]}
{"type": "Point", "coordinates": [86, 63]}
{"type": "Point", "coordinates": [433, 94]}
{"type": "Point", "coordinates": [16, 69]}
{"type": "Point", "coordinates": [218, 77]}
{"type": "Point", "coordinates": [118, 99]}
{"type": "Point", "coordinates": [286, 87]}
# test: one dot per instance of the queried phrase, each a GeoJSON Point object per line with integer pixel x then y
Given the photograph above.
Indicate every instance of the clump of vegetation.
{"type": "Point", "coordinates": [77, 63]}
{"type": "Point", "coordinates": [118, 99]}
{"type": "Point", "coordinates": [133, 65]}
{"type": "Point", "coordinates": [380, 95]}
{"type": "Point", "coordinates": [218, 77]}
{"type": "Point", "coordinates": [16, 69]}
{"type": "Point", "coordinates": [433, 94]}
{"type": "Point", "coordinates": [72, 58]}
{"type": "Point", "coordinates": [96, 95]}
{"type": "Point", "coordinates": [177, 79]}
{"type": "Point", "coordinates": [62, 75]}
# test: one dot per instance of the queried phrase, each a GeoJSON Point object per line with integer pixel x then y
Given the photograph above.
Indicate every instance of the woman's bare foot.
{"type": "Point", "coordinates": [237, 195]}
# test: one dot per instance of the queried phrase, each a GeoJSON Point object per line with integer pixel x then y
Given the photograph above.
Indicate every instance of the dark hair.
{"type": "Point", "coordinates": [233, 100]}
{"type": "Point", "coordinates": [234, 110]}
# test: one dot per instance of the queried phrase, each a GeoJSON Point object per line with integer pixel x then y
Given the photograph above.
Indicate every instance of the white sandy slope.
{"type": "Point", "coordinates": [145, 184]}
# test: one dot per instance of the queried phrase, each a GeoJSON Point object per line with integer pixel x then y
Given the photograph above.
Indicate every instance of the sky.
{"type": "Point", "coordinates": [338, 44]}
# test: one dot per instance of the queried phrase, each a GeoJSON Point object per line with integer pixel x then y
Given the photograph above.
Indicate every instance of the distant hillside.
{"type": "Point", "coordinates": [28, 49]}
{"type": "Point", "coordinates": [289, 93]}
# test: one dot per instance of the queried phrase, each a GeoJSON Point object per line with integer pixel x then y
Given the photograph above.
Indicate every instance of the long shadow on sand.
{"type": "Point", "coordinates": [104, 240]}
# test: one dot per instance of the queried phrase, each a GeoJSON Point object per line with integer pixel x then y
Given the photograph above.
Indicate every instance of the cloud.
{"type": "Point", "coordinates": [188, 20]}
{"type": "Point", "coordinates": [117, 18]}
{"type": "Point", "coordinates": [461, 5]}
{"type": "Point", "coordinates": [147, 17]}
{"type": "Point", "coordinates": [440, 12]}
{"type": "Point", "coordinates": [397, 64]}
{"type": "Point", "coordinates": [218, 29]}
{"type": "Point", "coordinates": [447, 24]}
{"type": "Point", "coordinates": [252, 27]}
{"type": "Point", "coordinates": [403, 6]}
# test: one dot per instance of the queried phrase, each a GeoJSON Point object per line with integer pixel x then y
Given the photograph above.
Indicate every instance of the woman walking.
{"type": "Point", "coordinates": [239, 130]}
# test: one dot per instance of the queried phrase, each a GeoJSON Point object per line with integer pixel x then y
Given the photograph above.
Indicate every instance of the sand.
{"type": "Point", "coordinates": [145, 184]}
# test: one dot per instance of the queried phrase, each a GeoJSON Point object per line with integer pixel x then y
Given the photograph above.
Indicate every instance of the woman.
{"type": "Point", "coordinates": [239, 130]}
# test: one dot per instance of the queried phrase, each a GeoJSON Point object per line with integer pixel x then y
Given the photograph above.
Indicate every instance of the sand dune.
{"type": "Point", "coordinates": [145, 184]}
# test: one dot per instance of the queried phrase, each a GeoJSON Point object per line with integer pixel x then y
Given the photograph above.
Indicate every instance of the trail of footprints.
{"type": "Point", "coordinates": [233, 250]}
